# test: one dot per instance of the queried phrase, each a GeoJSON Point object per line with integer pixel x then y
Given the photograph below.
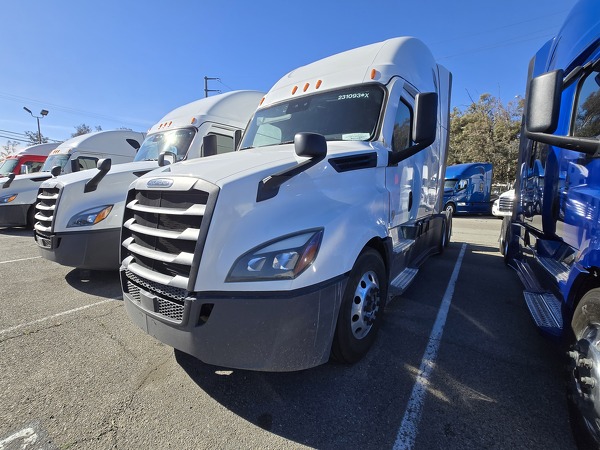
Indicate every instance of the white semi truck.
{"type": "Point", "coordinates": [79, 216]}
{"type": "Point", "coordinates": [18, 193]}
{"type": "Point", "coordinates": [281, 254]}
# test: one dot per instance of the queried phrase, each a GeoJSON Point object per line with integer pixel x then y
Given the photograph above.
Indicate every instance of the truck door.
{"type": "Point", "coordinates": [413, 184]}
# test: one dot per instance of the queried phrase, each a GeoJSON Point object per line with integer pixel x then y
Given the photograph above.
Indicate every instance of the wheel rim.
{"type": "Point", "coordinates": [365, 305]}
{"type": "Point", "coordinates": [586, 377]}
{"type": "Point", "coordinates": [450, 209]}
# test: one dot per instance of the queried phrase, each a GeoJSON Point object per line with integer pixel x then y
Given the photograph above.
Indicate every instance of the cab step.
{"type": "Point", "coordinates": [403, 280]}
{"type": "Point", "coordinates": [545, 309]}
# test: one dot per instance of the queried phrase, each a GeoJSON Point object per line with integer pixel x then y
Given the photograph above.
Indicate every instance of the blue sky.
{"type": "Point", "coordinates": [124, 63]}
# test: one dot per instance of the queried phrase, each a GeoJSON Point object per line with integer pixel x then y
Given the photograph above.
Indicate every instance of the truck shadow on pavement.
{"type": "Point", "coordinates": [17, 232]}
{"type": "Point", "coordinates": [96, 282]}
{"type": "Point", "coordinates": [493, 373]}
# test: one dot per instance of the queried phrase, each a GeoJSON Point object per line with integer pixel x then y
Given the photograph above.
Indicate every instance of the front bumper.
{"type": "Point", "coordinates": [13, 215]}
{"type": "Point", "coordinates": [92, 250]}
{"type": "Point", "coordinates": [266, 331]}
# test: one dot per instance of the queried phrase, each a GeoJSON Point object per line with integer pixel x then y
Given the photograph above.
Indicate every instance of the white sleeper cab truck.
{"type": "Point", "coordinates": [28, 160]}
{"type": "Point", "coordinates": [18, 194]}
{"type": "Point", "coordinates": [284, 252]}
{"type": "Point", "coordinates": [79, 215]}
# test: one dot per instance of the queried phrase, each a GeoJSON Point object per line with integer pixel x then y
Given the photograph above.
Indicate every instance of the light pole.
{"type": "Point", "coordinates": [44, 113]}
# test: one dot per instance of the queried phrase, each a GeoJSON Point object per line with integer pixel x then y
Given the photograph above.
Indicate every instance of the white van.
{"type": "Point", "coordinates": [18, 193]}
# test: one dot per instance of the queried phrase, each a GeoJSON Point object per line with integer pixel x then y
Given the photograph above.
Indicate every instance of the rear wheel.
{"type": "Point", "coordinates": [450, 208]}
{"type": "Point", "coordinates": [361, 309]}
{"type": "Point", "coordinates": [584, 370]}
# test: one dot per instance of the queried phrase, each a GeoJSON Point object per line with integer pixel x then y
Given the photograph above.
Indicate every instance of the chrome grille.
{"type": "Point", "coordinates": [45, 209]}
{"type": "Point", "coordinates": [163, 236]}
{"type": "Point", "coordinates": [505, 204]}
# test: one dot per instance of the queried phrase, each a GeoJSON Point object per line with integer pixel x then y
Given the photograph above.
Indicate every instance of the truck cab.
{"type": "Point", "coordinates": [18, 193]}
{"type": "Point", "coordinates": [278, 255]}
{"type": "Point", "coordinates": [79, 215]}
{"type": "Point", "coordinates": [552, 237]}
{"type": "Point", "coordinates": [467, 188]}
{"type": "Point", "coordinates": [28, 160]}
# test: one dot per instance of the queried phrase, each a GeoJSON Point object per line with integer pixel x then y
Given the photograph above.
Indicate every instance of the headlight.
{"type": "Point", "coordinates": [90, 216]}
{"type": "Point", "coordinates": [281, 259]}
{"type": "Point", "coordinates": [7, 198]}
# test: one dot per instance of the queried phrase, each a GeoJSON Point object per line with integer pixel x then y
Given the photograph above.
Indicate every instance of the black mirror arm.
{"type": "Point", "coordinates": [92, 183]}
{"type": "Point", "coordinates": [578, 144]}
{"type": "Point", "coordinates": [11, 177]}
{"type": "Point", "coordinates": [269, 186]}
{"type": "Point", "coordinates": [396, 157]}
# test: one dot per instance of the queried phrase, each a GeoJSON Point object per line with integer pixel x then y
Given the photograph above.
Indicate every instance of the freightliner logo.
{"type": "Point", "coordinates": [160, 183]}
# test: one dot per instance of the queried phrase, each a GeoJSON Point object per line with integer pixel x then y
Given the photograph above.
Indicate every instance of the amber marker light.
{"type": "Point", "coordinates": [261, 101]}
{"type": "Point", "coordinates": [294, 90]}
{"type": "Point", "coordinates": [318, 85]}
{"type": "Point", "coordinates": [306, 87]}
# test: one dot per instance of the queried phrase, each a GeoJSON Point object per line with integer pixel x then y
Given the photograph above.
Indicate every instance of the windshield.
{"type": "Point", "coordinates": [449, 184]}
{"type": "Point", "coordinates": [175, 141]}
{"type": "Point", "coordinates": [8, 166]}
{"type": "Point", "coordinates": [349, 114]}
{"type": "Point", "coordinates": [55, 160]}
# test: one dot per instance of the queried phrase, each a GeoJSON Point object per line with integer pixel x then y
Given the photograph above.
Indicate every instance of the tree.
{"type": "Point", "coordinates": [84, 129]}
{"type": "Point", "coordinates": [34, 137]}
{"type": "Point", "coordinates": [8, 149]}
{"type": "Point", "coordinates": [487, 131]}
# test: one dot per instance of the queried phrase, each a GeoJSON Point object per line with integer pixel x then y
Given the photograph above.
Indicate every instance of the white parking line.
{"type": "Point", "coordinates": [17, 260]}
{"type": "Point", "coordinates": [407, 434]}
{"type": "Point", "coordinates": [64, 313]}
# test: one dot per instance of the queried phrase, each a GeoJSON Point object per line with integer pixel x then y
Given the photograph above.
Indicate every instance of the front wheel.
{"type": "Point", "coordinates": [450, 208]}
{"type": "Point", "coordinates": [584, 370]}
{"type": "Point", "coordinates": [361, 309]}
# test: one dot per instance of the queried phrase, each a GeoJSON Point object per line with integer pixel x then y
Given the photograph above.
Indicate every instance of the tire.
{"type": "Point", "coordinates": [450, 208]}
{"type": "Point", "coordinates": [583, 371]}
{"type": "Point", "coordinates": [445, 235]}
{"type": "Point", "coordinates": [448, 230]}
{"type": "Point", "coordinates": [361, 309]}
{"type": "Point", "coordinates": [31, 217]}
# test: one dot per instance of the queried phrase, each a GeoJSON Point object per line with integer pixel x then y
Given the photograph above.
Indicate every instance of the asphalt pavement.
{"type": "Point", "coordinates": [458, 364]}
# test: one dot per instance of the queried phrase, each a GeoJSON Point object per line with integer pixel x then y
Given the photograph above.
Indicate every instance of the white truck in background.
{"type": "Point", "coordinates": [276, 256]}
{"type": "Point", "coordinates": [18, 193]}
{"type": "Point", "coordinates": [79, 216]}
{"type": "Point", "coordinates": [29, 160]}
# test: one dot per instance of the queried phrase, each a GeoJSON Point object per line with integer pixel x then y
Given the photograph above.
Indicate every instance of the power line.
{"type": "Point", "coordinates": [20, 99]}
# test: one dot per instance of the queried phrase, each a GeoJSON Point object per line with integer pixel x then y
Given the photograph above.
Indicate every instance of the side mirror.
{"type": "Point", "coordinates": [542, 115]}
{"type": "Point", "coordinates": [424, 127]}
{"type": "Point", "coordinates": [543, 102]}
{"type": "Point", "coordinates": [312, 145]}
{"type": "Point", "coordinates": [103, 167]}
{"type": "Point", "coordinates": [237, 138]}
{"type": "Point", "coordinates": [56, 170]}
{"type": "Point", "coordinates": [166, 158]}
{"type": "Point", "coordinates": [209, 145]}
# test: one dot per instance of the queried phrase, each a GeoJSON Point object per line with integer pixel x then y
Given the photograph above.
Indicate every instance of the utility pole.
{"type": "Point", "coordinates": [206, 89]}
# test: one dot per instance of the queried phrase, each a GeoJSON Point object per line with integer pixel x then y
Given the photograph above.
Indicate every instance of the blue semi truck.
{"type": "Point", "coordinates": [467, 188]}
{"type": "Point", "coordinates": [553, 236]}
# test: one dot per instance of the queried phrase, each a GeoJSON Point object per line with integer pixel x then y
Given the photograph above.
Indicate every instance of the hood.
{"type": "Point", "coordinates": [25, 181]}
{"type": "Point", "coordinates": [115, 171]}
{"type": "Point", "coordinates": [227, 167]}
